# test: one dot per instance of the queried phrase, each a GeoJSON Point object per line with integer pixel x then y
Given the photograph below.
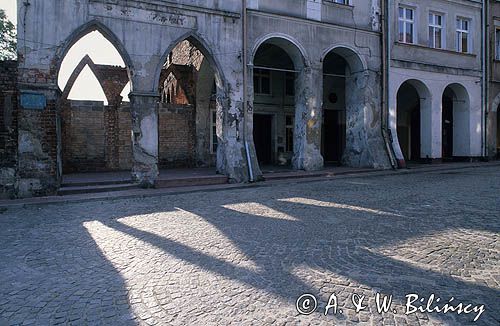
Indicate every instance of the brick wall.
{"type": "Point", "coordinates": [177, 136]}
{"type": "Point", "coordinates": [96, 137]}
{"type": "Point", "coordinates": [84, 140]}
{"type": "Point", "coordinates": [8, 128]}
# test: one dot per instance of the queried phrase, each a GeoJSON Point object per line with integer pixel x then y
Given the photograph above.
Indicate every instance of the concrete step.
{"type": "Point", "coordinates": [191, 181]}
{"type": "Point", "coordinates": [89, 189]}
{"type": "Point", "coordinates": [83, 183]}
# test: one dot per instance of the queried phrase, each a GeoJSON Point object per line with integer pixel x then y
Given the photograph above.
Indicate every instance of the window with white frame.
{"type": "Point", "coordinates": [435, 30]}
{"type": "Point", "coordinates": [406, 25]}
{"type": "Point", "coordinates": [463, 35]}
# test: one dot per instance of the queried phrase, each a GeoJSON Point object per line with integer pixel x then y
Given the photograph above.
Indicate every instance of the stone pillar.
{"type": "Point", "coordinates": [364, 143]}
{"type": "Point", "coordinates": [38, 141]}
{"type": "Point", "coordinates": [430, 128]}
{"type": "Point", "coordinates": [308, 119]}
{"type": "Point", "coordinates": [250, 145]}
{"type": "Point", "coordinates": [144, 112]}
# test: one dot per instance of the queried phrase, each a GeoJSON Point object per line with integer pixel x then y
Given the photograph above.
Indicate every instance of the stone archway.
{"type": "Point", "coordinates": [457, 106]}
{"type": "Point", "coordinates": [413, 127]}
{"type": "Point", "coordinates": [344, 81]}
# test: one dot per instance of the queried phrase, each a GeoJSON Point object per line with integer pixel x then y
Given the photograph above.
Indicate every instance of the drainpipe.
{"type": "Point", "coordinates": [484, 67]}
{"type": "Point", "coordinates": [245, 99]}
{"type": "Point", "coordinates": [386, 60]}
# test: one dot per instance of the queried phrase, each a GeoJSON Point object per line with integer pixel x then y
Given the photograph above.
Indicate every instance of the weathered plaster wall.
{"type": "Point", "coordinates": [144, 33]}
{"type": "Point", "coordinates": [314, 41]}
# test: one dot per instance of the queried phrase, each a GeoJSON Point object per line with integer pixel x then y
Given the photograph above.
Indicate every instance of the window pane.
{"type": "Point", "coordinates": [431, 37]}
{"type": "Point", "coordinates": [401, 31]}
{"type": "Point", "coordinates": [401, 13]}
{"type": "Point", "coordinates": [266, 87]}
{"type": "Point", "coordinates": [409, 14]}
{"type": "Point", "coordinates": [438, 39]}
{"type": "Point", "coordinates": [464, 43]}
{"type": "Point", "coordinates": [409, 32]}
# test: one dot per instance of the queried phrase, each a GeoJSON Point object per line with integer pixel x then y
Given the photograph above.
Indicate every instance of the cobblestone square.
{"type": "Point", "coordinates": [244, 256]}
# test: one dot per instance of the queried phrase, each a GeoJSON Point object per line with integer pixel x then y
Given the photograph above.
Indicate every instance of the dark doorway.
{"type": "Point", "coordinates": [335, 70]}
{"type": "Point", "coordinates": [408, 122]}
{"type": "Point", "coordinates": [262, 137]}
{"type": "Point", "coordinates": [333, 135]}
{"type": "Point", "coordinates": [415, 133]}
{"type": "Point", "coordinates": [447, 127]}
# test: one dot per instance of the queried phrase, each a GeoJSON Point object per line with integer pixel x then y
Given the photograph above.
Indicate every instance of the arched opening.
{"type": "Point", "coordinates": [335, 70]}
{"type": "Point", "coordinates": [343, 105]}
{"type": "Point", "coordinates": [455, 122]}
{"type": "Point", "coordinates": [409, 102]}
{"type": "Point", "coordinates": [95, 118]}
{"type": "Point", "coordinates": [190, 111]}
{"type": "Point", "coordinates": [276, 87]}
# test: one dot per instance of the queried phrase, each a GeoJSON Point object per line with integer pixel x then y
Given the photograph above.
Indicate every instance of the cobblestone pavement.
{"type": "Point", "coordinates": [245, 256]}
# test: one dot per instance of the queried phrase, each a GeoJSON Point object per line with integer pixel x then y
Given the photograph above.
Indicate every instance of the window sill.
{"type": "Point", "coordinates": [435, 49]}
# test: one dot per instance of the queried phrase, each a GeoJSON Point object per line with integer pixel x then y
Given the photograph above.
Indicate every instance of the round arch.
{"type": "Point", "coordinates": [292, 47]}
{"type": "Point", "coordinates": [91, 26]}
{"type": "Point", "coordinates": [204, 48]}
{"type": "Point", "coordinates": [418, 119]}
{"type": "Point", "coordinates": [458, 108]}
{"type": "Point", "coordinates": [355, 61]}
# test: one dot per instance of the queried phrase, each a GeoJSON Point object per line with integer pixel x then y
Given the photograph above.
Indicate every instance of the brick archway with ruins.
{"type": "Point", "coordinates": [143, 33]}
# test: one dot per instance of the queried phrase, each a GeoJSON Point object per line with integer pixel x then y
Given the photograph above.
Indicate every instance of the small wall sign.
{"type": "Point", "coordinates": [33, 101]}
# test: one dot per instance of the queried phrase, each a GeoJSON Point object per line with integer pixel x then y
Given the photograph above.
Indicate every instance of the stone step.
{"type": "Point", "coordinates": [94, 183]}
{"type": "Point", "coordinates": [191, 181]}
{"type": "Point", "coordinates": [88, 189]}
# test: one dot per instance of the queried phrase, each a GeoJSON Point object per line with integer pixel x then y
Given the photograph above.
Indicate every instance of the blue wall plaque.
{"type": "Point", "coordinates": [33, 101]}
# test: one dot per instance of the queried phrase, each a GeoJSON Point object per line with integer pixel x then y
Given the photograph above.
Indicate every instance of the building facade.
{"type": "Point", "coordinates": [493, 78]}
{"type": "Point", "coordinates": [435, 79]}
{"type": "Point", "coordinates": [247, 85]}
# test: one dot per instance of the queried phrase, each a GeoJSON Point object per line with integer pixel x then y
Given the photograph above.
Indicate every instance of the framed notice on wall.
{"type": "Point", "coordinates": [33, 101]}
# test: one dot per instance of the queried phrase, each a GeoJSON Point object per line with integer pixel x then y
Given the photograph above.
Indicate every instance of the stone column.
{"type": "Point", "coordinates": [364, 143]}
{"type": "Point", "coordinates": [308, 119]}
{"type": "Point", "coordinates": [250, 145]}
{"type": "Point", "coordinates": [430, 128]}
{"type": "Point", "coordinates": [144, 112]}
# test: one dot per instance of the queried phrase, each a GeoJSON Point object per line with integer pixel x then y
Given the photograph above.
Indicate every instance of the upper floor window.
{"type": "Point", "coordinates": [435, 31]}
{"type": "Point", "coordinates": [463, 35]}
{"type": "Point", "coordinates": [262, 81]}
{"type": "Point", "coordinates": [343, 2]}
{"type": "Point", "coordinates": [406, 26]}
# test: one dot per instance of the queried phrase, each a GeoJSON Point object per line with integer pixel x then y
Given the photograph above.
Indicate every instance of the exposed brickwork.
{"type": "Point", "coordinates": [8, 127]}
{"type": "Point", "coordinates": [97, 137]}
{"type": "Point", "coordinates": [177, 136]}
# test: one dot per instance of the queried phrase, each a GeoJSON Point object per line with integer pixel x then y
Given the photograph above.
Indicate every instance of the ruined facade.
{"type": "Point", "coordinates": [242, 85]}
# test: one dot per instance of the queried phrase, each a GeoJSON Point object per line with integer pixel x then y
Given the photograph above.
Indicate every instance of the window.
{"type": "Point", "coordinates": [435, 31]}
{"type": "Point", "coordinates": [343, 2]}
{"type": "Point", "coordinates": [463, 38]}
{"type": "Point", "coordinates": [406, 22]}
{"type": "Point", "coordinates": [290, 84]}
{"type": "Point", "coordinates": [497, 44]}
{"type": "Point", "coordinates": [289, 125]}
{"type": "Point", "coordinates": [262, 81]}
{"type": "Point", "coordinates": [214, 141]}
